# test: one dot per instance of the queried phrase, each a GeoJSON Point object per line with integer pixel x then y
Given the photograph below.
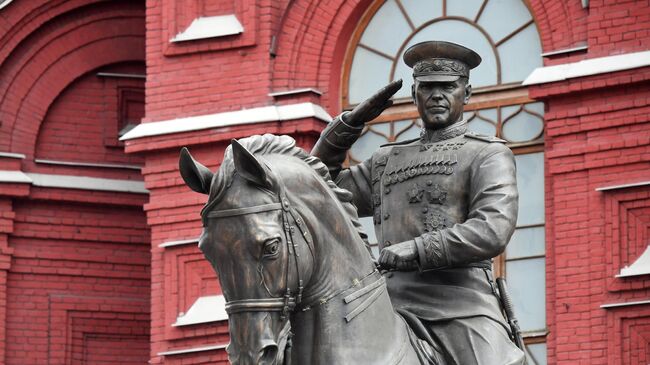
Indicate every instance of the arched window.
{"type": "Point", "coordinates": [504, 33]}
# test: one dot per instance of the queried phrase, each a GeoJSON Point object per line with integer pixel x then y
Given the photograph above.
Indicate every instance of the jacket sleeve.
{"type": "Point", "coordinates": [492, 217]}
{"type": "Point", "coordinates": [331, 148]}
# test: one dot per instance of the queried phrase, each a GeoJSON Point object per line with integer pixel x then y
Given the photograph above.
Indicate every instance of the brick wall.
{"type": "Point", "coordinates": [74, 263]}
{"type": "Point", "coordinates": [598, 135]}
{"type": "Point", "coordinates": [77, 262]}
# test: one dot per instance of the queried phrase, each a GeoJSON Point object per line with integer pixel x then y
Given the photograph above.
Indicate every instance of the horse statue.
{"type": "Point", "coordinates": [293, 262]}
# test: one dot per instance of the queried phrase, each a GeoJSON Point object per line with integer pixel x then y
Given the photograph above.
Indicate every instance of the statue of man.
{"type": "Point", "coordinates": [443, 205]}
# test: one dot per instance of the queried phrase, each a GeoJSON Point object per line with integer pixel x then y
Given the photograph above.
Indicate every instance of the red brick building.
{"type": "Point", "coordinates": [98, 256]}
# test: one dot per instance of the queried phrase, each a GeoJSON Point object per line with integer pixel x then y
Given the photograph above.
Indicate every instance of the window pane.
{"type": "Point", "coordinates": [422, 11]}
{"type": "Point", "coordinates": [369, 73]}
{"type": "Point", "coordinates": [526, 242]}
{"type": "Point", "coordinates": [535, 108]}
{"type": "Point", "coordinates": [489, 114]}
{"type": "Point", "coordinates": [482, 127]}
{"type": "Point", "coordinates": [466, 8]}
{"type": "Point", "coordinates": [387, 30]}
{"type": "Point", "coordinates": [369, 228]}
{"type": "Point", "coordinates": [523, 127]}
{"type": "Point", "coordinates": [530, 182]}
{"type": "Point", "coordinates": [406, 129]}
{"type": "Point", "coordinates": [502, 17]}
{"type": "Point", "coordinates": [368, 143]}
{"type": "Point", "coordinates": [526, 283]}
{"type": "Point", "coordinates": [520, 55]}
{"type": "Point", "coordinates": [537, 352]}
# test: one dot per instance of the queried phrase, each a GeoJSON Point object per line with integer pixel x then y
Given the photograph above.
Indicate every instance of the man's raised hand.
{"type": "Point", "coordinates": [372, 107]}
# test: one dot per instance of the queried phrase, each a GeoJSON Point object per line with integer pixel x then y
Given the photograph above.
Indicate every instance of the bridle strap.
{"type": "Point", "coordinates": [286, 304]}
{"type": "Point", "coordinates": [246, 210]}
{"type": "Point", "coordinates": [260, 305]}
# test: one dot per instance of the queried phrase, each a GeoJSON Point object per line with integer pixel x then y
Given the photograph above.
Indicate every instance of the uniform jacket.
{"type": "Point", "coordinates": [454, 194]}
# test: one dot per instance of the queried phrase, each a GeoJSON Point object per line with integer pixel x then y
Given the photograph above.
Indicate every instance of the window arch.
{"type": "Point", "coordinates": [504, 33]}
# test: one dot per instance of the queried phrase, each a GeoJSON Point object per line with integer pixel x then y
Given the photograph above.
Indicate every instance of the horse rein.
{"type": "Point", "coordinates": [288, 302]}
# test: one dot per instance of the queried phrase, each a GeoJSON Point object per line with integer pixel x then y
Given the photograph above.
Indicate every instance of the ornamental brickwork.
{"type": "Point", "coordinates": [98, 256]}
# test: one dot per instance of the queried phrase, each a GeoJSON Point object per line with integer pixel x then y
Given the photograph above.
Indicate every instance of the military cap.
{"type": "Point", "coordinates": [440, 61]}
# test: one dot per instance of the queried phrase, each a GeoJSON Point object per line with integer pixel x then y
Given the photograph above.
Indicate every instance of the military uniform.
{"type": "Point", "coordinates": [455, 194]}
{"type": "Point", "coordinates": [447, 201]}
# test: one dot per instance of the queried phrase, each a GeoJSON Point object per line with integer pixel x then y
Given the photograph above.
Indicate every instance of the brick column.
{"type": "Point", "coordinates": [13, 184]}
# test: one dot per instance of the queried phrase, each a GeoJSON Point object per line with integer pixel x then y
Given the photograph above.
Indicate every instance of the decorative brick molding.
{"type": "Point", "coordinates": [190, 276]}
{"type": "Point", "coordinates": [628, 343]}
{"type": "Point", "coordinates": [86, 330]}
{"type": "Point", "coordinates": [177, 17]}
{"type": "Point", "coordinates": [627, 234]}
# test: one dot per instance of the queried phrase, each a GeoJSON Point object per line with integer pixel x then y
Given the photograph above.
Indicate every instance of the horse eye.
{"type": "Point", "coordinates": [272, 247]}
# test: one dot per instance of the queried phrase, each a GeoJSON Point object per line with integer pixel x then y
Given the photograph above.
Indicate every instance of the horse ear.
{"type": "Point", "coordinates": [249, 167]}
{"type": "Point", "coordinates": [195, 175]}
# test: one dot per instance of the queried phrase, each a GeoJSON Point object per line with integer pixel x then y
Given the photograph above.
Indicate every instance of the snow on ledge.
{"type": "Point", "coordinates": [210, 27]}
{"type": "Point", "coordinates": [227, 119]}
{"type": "Point", "coordinates": [14, 177]}
{"type": "Point", "coordinates": [640, 267]}
{"type": "Point", "coordinates": [206, 309]}
{"type": "Point", "coordinates": [588, 67]}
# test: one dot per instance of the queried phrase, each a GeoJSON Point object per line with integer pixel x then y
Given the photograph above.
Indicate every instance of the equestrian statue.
{"type": "Point", "coordinates": [282, 231]}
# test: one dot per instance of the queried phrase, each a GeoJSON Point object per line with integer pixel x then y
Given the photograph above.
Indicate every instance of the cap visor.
{"type": "Point", "coordinates": [437, 78]}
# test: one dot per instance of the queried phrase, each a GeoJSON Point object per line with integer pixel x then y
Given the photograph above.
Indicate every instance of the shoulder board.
{"type": "Point", "coordinates": [484, 138]}
{"type": "Point", "coordinates": [400, 143]}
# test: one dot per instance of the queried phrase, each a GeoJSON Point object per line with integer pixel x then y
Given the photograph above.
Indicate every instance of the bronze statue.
{"type": "Point", "coordinates": [301, 286]}
{"type": "Point", "coordinates": [443, 205]}
{"type": "Point", "coordinates": [287, 246]}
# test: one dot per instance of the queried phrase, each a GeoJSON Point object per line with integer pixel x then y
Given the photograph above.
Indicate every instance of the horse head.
{"type": "Point", "coordinates": [261, 234]}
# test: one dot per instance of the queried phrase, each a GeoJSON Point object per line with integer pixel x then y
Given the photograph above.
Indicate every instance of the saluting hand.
{"type": "Point", "coordinates": [372, 107]}
{"type": "Point", "coordinates": [402, 256]}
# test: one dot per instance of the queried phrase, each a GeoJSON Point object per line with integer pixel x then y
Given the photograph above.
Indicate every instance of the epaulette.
{"type": "Point", "coordinates": [484, 138]}
{"type": "Point", "coordinates": [400, 143]}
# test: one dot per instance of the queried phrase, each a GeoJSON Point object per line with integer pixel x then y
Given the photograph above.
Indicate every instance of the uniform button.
{"type": "Point", "coordinates": [387, 191]}
{"type": "Point", "coordinates": [429, 182]}
{"type": "Point", "coordinates": [387, 244]}
{"type": "Point", "coordinates": [386, 216]}
{"type": "Point", "coordinates": [425, 209]}
{"type": "Point", "coordinates": [395, 152]}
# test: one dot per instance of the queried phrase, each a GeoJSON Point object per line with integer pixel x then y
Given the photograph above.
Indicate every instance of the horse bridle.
{"type": "Point", "coordinates": [288, 302]}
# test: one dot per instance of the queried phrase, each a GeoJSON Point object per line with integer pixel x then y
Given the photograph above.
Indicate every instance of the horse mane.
{"type": "Point", "coordinates": [269, 144]}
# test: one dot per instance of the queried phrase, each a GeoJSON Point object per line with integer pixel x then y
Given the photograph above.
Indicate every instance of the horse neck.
{"type": "Point", "coordinates": [322, 334]}
{"type": "Point", "coordinates": [340, 256]}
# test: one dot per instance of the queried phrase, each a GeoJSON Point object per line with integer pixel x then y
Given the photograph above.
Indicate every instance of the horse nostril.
{"type": "Point", "coordinates": [269, 354]}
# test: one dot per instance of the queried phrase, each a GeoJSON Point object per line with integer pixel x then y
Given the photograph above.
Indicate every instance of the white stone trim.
{"type": "Point", "coordinates": [178, 243]}
{"type": "Point", "coordinates": [121, 75]}
{"type": "Point", "coordinates": [565, 51]}
{"type": "Point", "coordinates": [623, 186]}
{"type": "Point", "coordinates": [4, 3]}
{"type": "Point", "coordinates": [193, 349]}
{"type": "Point", "coordinates": [588, 67]}
{"type": "Point", "coordinates": [625, 304]}
{"type": "Point", "coordinates": [641, 266]}
{"type": "Point", "coordinates": [210, 27]}
{"type": "Point", "coordinates": [206, 309]}
{"type": "Point", "coordinates": [87, 183]}
{"type": "Point", "coordinates": [265, 114]}
{"type": "Point", "coordinates": [88, 164]}
{"type": "Point", "coordinates": [296, 91]}
{"type": "Point", "coordinates": [12, 155]}
{"type": "Point", "coordinates": [14, 177]}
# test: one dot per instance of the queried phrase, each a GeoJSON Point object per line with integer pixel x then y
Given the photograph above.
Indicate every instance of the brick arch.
{"type": "Point", "coordinates": [307, 59]}
{"type": "Point", "coordinates": [53, 56]}
{"type": "Point", "coordinates": [561, 24]}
